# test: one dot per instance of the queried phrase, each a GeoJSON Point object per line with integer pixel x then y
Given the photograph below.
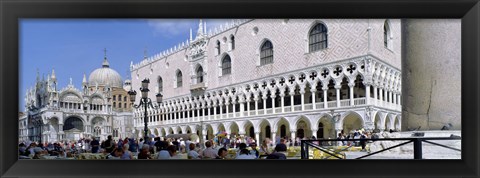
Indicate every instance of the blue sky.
{"type": "Point", "coordinates": [76, 47]}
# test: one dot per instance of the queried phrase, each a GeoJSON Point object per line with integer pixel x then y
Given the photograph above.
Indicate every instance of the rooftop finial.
{"type": "Point", "coordinates": [105, 62]}
{"type": "Point", "coordinates": [145, 53]}
{"type": "Point", "coordinates": [200, 29]}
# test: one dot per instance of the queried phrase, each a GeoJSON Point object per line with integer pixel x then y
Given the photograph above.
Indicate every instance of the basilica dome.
{"type": "Point", "coordinates": [105, 75]}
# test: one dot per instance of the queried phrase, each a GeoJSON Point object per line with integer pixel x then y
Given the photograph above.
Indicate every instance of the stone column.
{"type": "Point", "coordinates": [257, 138]}
{"type": "Point", "coordinates": [234, 103]}
{"type": "Point", "coordinates": [351, 85]}
{"type": "Point", "coordinates": [221, 110]}
{"type": "Point", "coordinates": [325, 105]}
{"type": "Point", "coordinates": [264, 103]}
{"type": "Point", "coordinates": [292, 93]}
{"type": "Point", "coordinates": [203, 113]}
{"type": "Point", "coordinates": [198, 113]}
{"type": "Point", "coordinates": [302, 97]}
{"type": "Point", "coordinates": [248, 105]}
{"type": "Point", "coordinates": [293, 136]}
{"type": "Point", "coordinates": [337, 88]}
{"type": "Point", "coordinates": [274, 135]}
{"type": "Point", "coordinates": [273, 102]}
{"type": "Point", "coordinates": [367, 94]}
{"type": "Point", "coordinates": [380, 97]}
{"type": "Point", "coordinates": [314, 133]}
{"type": "Point", "coordinates": [256, 104]}
{"type": "Point", "coordinates": [227, 102]}
{"type": "Point", "coordinates": [215, 111]}
{"type": "Point", "coordinates": [282, 101]}
{"type": "Point", "coordinates": [242, 106]}
{"type": "Point", "coordinates": [313, 90]}
{"type": "Point", "coordinates": [375, 94]}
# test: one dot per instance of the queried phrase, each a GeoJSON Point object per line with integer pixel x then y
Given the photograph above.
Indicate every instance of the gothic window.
{"type": "Point", "coordinates": [179, 79]}
{"type": "Point", "coordinates": [119, 105]}
{"type": "Point", "coordinates": [217, 48]}
{"type": "Point", "coordinates": [114, 97]}
{"type": "Point", "coordinates": [125, 98]}
{"type": "Point", "coordinates": [266, 53]}
{"type": "Point", "coordinates": [73, 122]}
{"type": "Point", "coordinates": [386, 35]}
{"type": "Point", "coordinates": [318, 38]}
{"type": "Point", "coordinates": [199, 74]}
{"type": "Point", "coordinates": [160, 84]}
{"type": "Point", "coordinates": [226, 65]}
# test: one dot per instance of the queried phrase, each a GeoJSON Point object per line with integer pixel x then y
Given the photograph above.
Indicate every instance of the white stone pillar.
{"type": "Point", "coordinates": [274, 135]}
{"type": "Point", "coordinates": [248, 106]}
{"type": "Point", "coordinates": [293, 136]}
{"type": "Point", "coordinates": [221, 110]}
{"type": "Point", "coordinates": [325, 104]}
{"type": "Point", "coordinates": [234, 102]}
{"type": "Point", "coordinates": [380, 97]}
{"type": "Point", "coordinates": [292, 93]}
{"type": "Point", "coordinates": [242, 107]}
{"type": "Point", "coordinates": [256, 105]}
{"type": "Point", "coordinates": [226, 107]}
{"type": "Point", "coordinates": [367, 94]}
{"type": "Point", "coordinates": [215, 111]}
{"type": "Point", "coordinates": [390, 99]}
{"type": "Point", "coordinates": [257, 138]}
{"type": "Point", "coordinates": [375, 95]}
{"type": "Point", "coordinates": [351, 85]}
{"type": "Point", "coordinates": [337, 88]}
{"type": "Point", "coordinates": [198, 113]}
{"type": "Point", "coordinates": [264, 103]}
{"type": "Point", "coordinates": [203, 113]}
{"type": "Point", "coordinates": [282, 102]}
{"type": "Point", "coordinates": [314, 105]}
{"type": "Point", "coordinates": [314, 133]}
{"type": "Point", "coordinates": [302, 97]}
{"type": "Point", "coordinates": [273, 102]}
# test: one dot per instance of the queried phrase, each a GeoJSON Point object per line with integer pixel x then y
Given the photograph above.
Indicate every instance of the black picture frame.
{"type": "Point", "coordinates": [11, 11]}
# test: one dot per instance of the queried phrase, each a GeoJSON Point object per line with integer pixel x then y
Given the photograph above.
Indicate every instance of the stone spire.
{"type": "Point", "coordinates": [105, 62]}
{"type": "Point", "coordinates": [53, 77]}
{"type": "Point", "coordinates": [200, 29]}
{"type": "Point", "coordinates": [84, 81]}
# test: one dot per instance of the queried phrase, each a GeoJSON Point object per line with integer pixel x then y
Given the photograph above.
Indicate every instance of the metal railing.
{"type": "Point", "coordinates": [417, 145]}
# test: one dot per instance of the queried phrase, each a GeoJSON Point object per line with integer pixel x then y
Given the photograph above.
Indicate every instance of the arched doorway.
{"type": "Point", "coordinates": [320, 130]}
{"type": "Point", "coordinates": [283, 130]}
{"type": "Point", "coordinates": [352, 122]}
{"type": "Point", "coordinates": [73, 128]}
{"type": "Point", "coordinates": [303, 128]}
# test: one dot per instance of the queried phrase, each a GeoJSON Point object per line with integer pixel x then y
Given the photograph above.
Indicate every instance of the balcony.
{"type": "Point", "coordinates": [308, 107]}
{"type": "Point", "coordinates": [198, 86]}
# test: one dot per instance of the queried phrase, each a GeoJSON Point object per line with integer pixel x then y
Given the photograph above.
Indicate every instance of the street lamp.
{"type": "Point", "coordinates": [145, 102]}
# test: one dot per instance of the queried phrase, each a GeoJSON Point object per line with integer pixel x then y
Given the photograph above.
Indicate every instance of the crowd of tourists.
{"type": "Point", "coordinates": [158, 148]}
{"type": "Point", "coordinates": [173, 148]}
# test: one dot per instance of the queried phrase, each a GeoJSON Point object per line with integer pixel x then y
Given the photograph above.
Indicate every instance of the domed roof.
{"type": "Point", "coordinates": [105, 75]}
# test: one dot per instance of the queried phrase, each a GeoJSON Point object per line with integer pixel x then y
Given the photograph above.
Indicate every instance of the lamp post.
{"type": "Point", "coordinates": [145, 102]}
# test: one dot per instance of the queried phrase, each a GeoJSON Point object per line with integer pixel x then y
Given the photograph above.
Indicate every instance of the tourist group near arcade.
{"type": "Point", "coordinates": [256, 78]}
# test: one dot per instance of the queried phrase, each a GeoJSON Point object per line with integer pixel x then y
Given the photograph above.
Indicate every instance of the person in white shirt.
{"type": "Point", "coordinates": [192, 154]}
{"type": "Point", "coordinates": [245, 154]}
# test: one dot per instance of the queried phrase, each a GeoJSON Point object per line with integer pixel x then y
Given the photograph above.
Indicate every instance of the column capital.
{"type": "Point", "coordinates": [351, 84]}
{"type": "Point", "coordinates": [313, 90]}
{"type": "Point", "coordinates": [338, 86]}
